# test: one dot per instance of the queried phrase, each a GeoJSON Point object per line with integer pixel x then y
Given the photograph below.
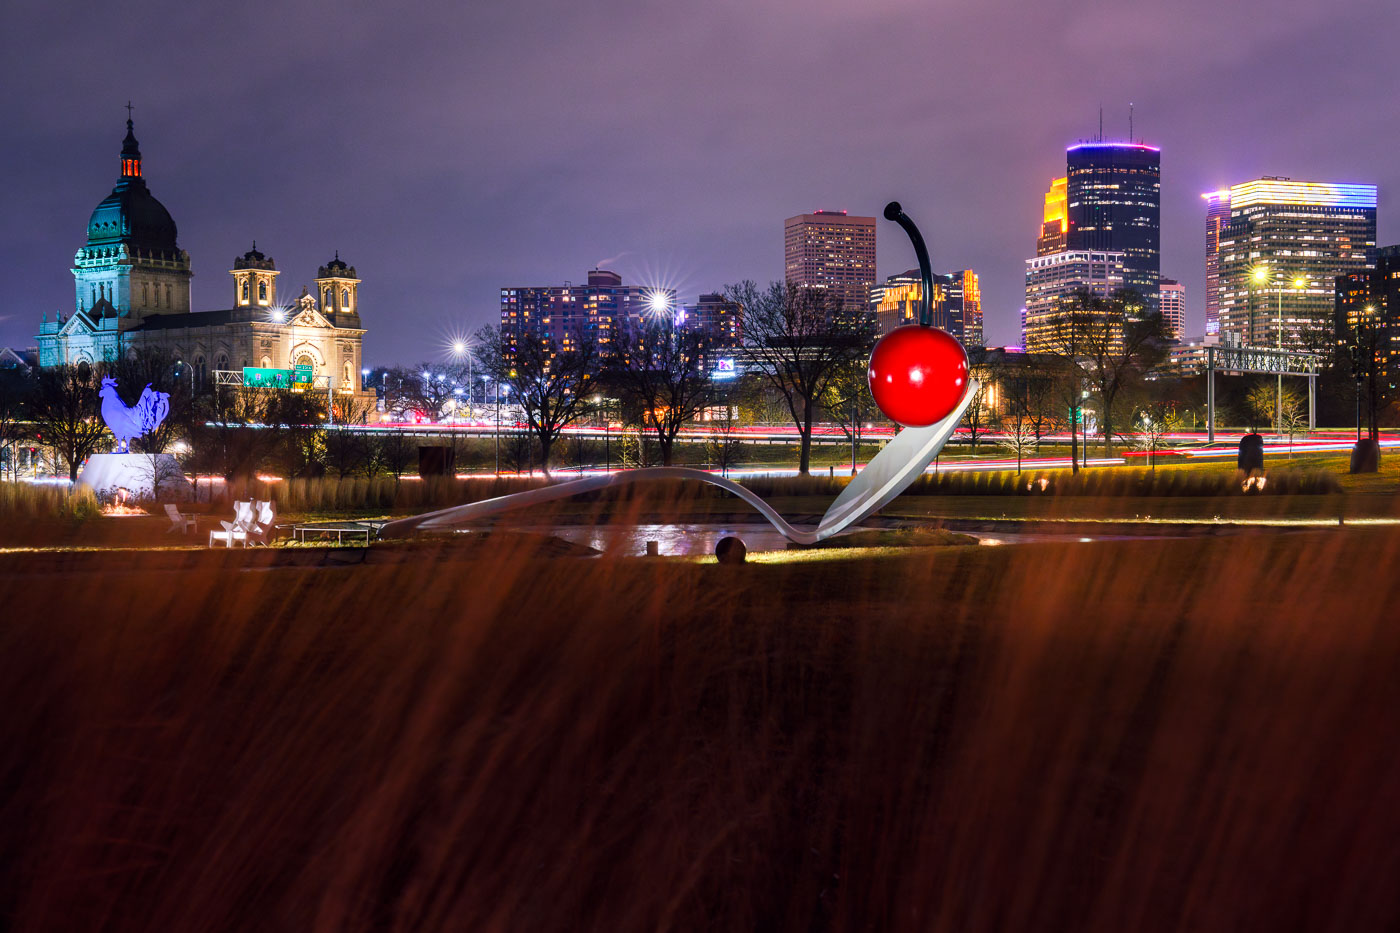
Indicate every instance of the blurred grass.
{"type": "Point", "coordinates": [1111, 736]}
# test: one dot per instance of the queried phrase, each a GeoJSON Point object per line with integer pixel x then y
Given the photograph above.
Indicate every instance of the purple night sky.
{"type": "Point", "coordinates": [449, 149]}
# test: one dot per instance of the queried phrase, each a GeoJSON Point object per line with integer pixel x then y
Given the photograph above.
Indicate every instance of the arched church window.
{"type": "Point", "coordinates": [349, 374]}
{"type": "Point", "coordinates": [306, 360]}
{"type": "Point", "coordinates": [221, 361]}
{"type": "Point", "coordinates": [245, 292]}
{"type": "Point", "coordinates": [266, 362]}
{"type": "Point", "coordinates": [262, 291]}
{"type": "Point", "coordinates": [326, 300]}
{"type": "Point", "coordinates": [199, 373]}
{"type": "Point", "coordinates": [345, 297]}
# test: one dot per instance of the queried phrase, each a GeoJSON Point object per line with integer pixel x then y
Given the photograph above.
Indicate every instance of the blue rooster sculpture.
{"type": "Point", "coordinates": [127, 423]}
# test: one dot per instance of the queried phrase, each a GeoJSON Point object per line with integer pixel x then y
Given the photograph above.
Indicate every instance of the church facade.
{"type": "Point", "coordinates": [132, 284]}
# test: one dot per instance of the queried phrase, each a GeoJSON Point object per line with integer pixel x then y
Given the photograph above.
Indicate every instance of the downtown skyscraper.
{"type": "Point", "coordinates": [1113, 196]}
{"type": "Point", "coordinates": [1280, 254]}
{"type": "Point", "coordinates": [956, 303]}
{"type": "Point", "coordinates": [1217, 216]}
{"type": "Point", "coordinates": [833, 251]}
{"type": "Point", "coordinates": [1100, 232]}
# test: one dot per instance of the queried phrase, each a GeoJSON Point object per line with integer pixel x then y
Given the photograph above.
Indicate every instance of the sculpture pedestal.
{"type": "Point", "coordinates": [143, 476]}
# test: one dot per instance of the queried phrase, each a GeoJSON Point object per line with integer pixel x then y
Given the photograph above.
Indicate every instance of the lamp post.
{"type": "Point", "coordinates": [607, 450]}
{"type": "Point", "coordinates": [463, 348]}
{"type": "Point", "coordinates": [1262, 276]}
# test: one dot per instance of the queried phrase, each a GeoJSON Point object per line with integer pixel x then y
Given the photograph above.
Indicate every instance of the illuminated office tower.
{"type": "Point", "coordinates": [1217, 216]}
{"type": "Point", "coordinates": [1113, 204]}
{"type": "Point", "coordinates": [895, 301]}
{"type": "Point", "coordinates": [1281, 252]}
{"type": "Point", "coordinates": [1367, 306]}
{"type": "Point", "coordinates": [1172, 295]}
{"type": "Point", "coordinates": [1054, 225]}
{"type": "Point", "coordinates": [830, 250]}
{"type": "Point", "coordinates": [963, 301]}
{"type": "Point", "coordinates": [956, 303]}
{"type": "Point", "coordinates": [1051, 280]}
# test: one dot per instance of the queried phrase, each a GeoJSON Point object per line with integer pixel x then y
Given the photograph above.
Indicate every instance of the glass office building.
{"type": "Point", "coordinates": [1280, 255]}
{"type": "Point", "coordinates": [1113, 202]}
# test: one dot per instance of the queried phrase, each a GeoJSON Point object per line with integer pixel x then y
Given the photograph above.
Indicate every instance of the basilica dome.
{"type": "Point", "coordinates": [130, 214]}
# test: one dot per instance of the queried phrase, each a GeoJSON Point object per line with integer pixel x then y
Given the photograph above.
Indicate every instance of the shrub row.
{"type": "Point", "coordinates": [1119, 482]}
{"type": "Point", "coordinates": [29, 500]}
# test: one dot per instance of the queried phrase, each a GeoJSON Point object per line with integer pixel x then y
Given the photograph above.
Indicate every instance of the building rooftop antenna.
{"type": "Point", "coordinates": [1100, 137]}
{"type": "Point", "coordinates": [1131, 137]}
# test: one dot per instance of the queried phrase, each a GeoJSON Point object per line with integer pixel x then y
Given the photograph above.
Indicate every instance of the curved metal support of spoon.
{"type": "Point", "coordinates": [887, 475]}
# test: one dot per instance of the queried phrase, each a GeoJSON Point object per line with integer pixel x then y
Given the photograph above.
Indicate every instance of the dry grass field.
{"type": "Point", "coordinates": [1187, 735]}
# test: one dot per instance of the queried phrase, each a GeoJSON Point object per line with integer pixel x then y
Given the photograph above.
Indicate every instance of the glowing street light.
{"type": "Point", "coordinates": [1262, 276]}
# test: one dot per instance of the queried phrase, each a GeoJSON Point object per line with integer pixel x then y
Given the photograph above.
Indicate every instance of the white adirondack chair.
{"type": "Point", "coordinates": [237, 530]}
{"type": "Point", "coordinates": [265, 521]}
{"type": "Point", "coordinates": [178, 522]}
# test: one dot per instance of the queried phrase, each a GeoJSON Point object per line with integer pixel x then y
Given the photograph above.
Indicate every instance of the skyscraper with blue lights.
{"type": "Point", "coordinates": [1114, 204]}
{"type": "Point", "coordinates": [1281, 252]}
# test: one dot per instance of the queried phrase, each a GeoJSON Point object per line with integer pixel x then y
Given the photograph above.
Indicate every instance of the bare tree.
{"type": "Point", "coordinates": [16, 388]}
{"type": "Point", "coordinates": [656, 369]}
{"type": "Point", "coordinates": [1154, 421]}
{"type": "Point", "coordinates": [347, 446]}
{"type": "Point", "coordinates": [392, 452]}
{"type": "Point", "coordinates": [848, 402]}
{"type": "Point", "coordinates": [1366, 342]}
{"type": "Point", "coordinates": [1121, 342]}
{"type": "Point", "coordinates": [553, 389]}
{"type": "Point", "coordinates": [239, 428]}
{"type": "Point", "coordinates": [982, 417]}
{"type": "Point", "coordinates": [1020, 432]}
{"type": "Point", "coordinates": [65, 408]}
{"type": "Point", "coordinates": [1064, 341]}
{"type": "Point", "coordinates": [792, 339]}
{"type": "Point", "coordinates": [1034, 390]}
{"type": "Point", "coordinates": [1018, 436]}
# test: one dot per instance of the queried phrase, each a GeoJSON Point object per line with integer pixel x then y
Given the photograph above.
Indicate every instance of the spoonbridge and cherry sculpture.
{"type": "Point", "coordinates": [919, 377]}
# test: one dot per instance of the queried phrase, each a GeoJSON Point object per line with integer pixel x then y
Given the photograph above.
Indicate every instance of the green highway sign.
{"type": "Point", "coordinates": [303, 374]}
{"type": "Point", "coordinates": [259, 378]}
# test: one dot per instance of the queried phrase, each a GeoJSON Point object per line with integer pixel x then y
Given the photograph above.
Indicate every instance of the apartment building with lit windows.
{"type": "Point", "coordinates": [1172, 297]}
{"type": "Point", "coordinates": [1052, 279]}
{"type": "Point", "coordinates": [1217, 216]}
{"type": "Point", "coordinates": [565, 316]}
{"type": "Point", "coordinates": [1280, 255]}
{"type": "Point", "coordinates": [1367, 313]}
{"type": "Point", "coordinates": [834, 251]}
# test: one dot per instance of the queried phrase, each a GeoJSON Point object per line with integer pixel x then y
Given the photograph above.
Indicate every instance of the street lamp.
{"type": "Point", "coordinates": [1263, 277]}
{"type": "Point", "coordinates": [461, 347]}
{"type": "Point", "coordinates": [607, 435]}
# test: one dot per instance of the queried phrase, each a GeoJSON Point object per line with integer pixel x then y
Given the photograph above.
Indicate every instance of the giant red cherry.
{"type": "Point", "coordinates": [918, 374]}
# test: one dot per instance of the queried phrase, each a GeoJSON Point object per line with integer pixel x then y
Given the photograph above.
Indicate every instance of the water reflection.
{"type": "Point", "coordinates": [690, 539]}
{"type": "Point", "coordinates": [697, 539]}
